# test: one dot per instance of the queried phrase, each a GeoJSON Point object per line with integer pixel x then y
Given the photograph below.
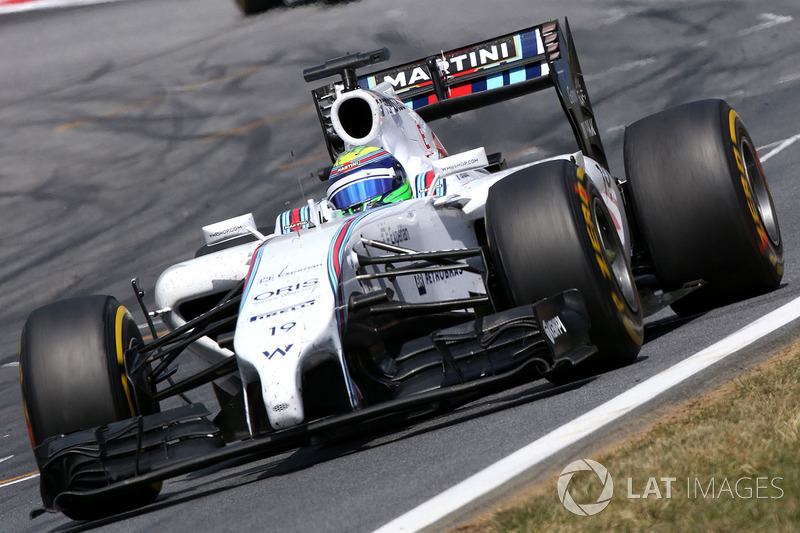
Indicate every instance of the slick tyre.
{"type": "Point", "coordinates": [702, 204]}
{"type": "Point", "coordinates": [73, 377]}
{"type": "Point", "coordinates": [548, 231]}
{"type": "Point", "coordinates": [252, 7]}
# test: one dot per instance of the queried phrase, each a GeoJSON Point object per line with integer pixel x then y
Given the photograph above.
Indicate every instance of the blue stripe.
{"type": "Point", "coordinates": [533, 71]}
{"type": "Point", "coordinates": [494, 81]}
{"type": "Point", "coordinates": [253, 269]}
{"type": "Point", "coordinates": [530, 46]}
{"type": "Point", "coordinates": [334, 281]}
{"type": "Point", "coordinates": [516, 75]}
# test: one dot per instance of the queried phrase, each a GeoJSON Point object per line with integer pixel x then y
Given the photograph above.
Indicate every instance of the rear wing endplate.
{"type": "Point", "coordinates": [483, 74]}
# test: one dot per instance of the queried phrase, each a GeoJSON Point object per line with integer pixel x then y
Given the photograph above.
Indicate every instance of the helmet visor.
{"type": "Point", "coordinates": [360, 188]}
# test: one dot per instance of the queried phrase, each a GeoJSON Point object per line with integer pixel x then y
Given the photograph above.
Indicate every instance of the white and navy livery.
{"type": "Point", "coordinates": [484, 277]}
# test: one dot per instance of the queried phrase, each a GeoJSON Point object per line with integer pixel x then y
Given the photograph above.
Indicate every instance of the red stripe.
{"type": "Point", "coordinates": [465, 72]}
{"type": "Point", "coordinates": [252, 264]}
{"type": "Point", "coordinates": [461, 90]}
{"type": "Point", "coordinates": [429, 179]}
{"type": "Point", "coordinates": [337, 267]}
{"type": "Point", "coordinates": [337, 246]}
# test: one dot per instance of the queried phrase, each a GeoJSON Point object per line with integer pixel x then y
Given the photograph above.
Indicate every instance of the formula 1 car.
{"type": "Point", "coordinates": [423, 279]}
{"type": "Point", "coordinates": [252, 7]}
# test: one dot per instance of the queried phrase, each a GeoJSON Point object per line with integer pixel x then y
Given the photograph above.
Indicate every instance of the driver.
{"type": "Point", "coordinates": [366, 177]}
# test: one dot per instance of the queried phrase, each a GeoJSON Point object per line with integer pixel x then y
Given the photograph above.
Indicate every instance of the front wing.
{"type": "Point", "coordinates": [89, 472]}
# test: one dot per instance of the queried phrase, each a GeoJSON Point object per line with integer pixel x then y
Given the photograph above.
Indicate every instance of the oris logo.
{"type": "Point", "coordinates": [288, 289]}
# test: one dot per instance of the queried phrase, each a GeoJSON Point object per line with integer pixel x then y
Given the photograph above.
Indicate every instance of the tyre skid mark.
{"type": "Point", "coordinates": [257, 123]}
{"type": "Point", "coordinates": [769, 20]}
{"type": "Point", "coordinates": [158, 98]}
{"type": "Point", "coordinates": [777, 147]}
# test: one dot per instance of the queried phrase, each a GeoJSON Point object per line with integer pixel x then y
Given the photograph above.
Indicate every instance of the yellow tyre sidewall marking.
{"type": "Point", "coordinates": [763, 239]}
{"type": "Point", "coordinates": [120, 350]}
{"type": "Point", "coordinates": [24, 403]}
{"type": "Point", "coordinates": [599, 256]}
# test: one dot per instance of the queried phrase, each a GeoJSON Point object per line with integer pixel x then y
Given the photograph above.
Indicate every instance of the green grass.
{"type": "Point", "coordinates": [748, 428]}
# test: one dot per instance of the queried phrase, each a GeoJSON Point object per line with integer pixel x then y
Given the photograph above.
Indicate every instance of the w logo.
{"type": "Point", "coordinates": [278, 351]}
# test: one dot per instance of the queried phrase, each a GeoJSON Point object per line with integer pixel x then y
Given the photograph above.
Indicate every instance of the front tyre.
{"type": "Point", "coordinates": [702, 204]}
{"type": "Point", "coordinates": [549, 231]}
{"type": "Point", "coordinates": [73, 376]}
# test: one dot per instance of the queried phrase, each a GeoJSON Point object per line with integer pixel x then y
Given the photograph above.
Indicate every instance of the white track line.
{"type": "Point", "coordinates": [6, 458]}
{"type": "Point", "coordinates": [10, 482]}
{"type": "Point", "coordinates": [557, 440]}
{"type": "Point", "coordinates": [35, 5]}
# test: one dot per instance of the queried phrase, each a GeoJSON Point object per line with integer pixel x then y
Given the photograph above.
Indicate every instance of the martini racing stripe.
{"type": "Point", "coordinates": [423, 182]}
{"type": "Point", "coordinates": [253, 268]}
{"type": "Point", "coordinates": [470, 62]}
{"type": "Point", "coordinates": [295, 219]}
{"type": "Point", "coordinates": [335, 259]}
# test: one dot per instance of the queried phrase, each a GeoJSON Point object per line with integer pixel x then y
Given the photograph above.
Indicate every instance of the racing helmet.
{"type": "Point", "coordinates": [367, 176]}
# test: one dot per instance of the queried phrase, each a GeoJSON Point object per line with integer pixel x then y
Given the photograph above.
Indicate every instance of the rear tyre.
{"type": "Point", "coordinates": [252, 7]}
{"type": "Point", "coordinates": [549, 231]}
{"type": "Point", "coordinates": [73, 377]}
{"type": "Point", "coordinates": [702, 204]}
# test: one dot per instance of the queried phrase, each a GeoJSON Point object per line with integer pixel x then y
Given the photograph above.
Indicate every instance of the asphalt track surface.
{"type": "Point", "coordinates": [125, 127]}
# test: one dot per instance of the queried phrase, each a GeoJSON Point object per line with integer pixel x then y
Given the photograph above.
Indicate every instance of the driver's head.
{"type": "Point", "coordinates": [366, 176]}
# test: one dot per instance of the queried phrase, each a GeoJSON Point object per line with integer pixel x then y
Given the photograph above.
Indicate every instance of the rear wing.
{"type": "Point", "coordinates": [483, 74]}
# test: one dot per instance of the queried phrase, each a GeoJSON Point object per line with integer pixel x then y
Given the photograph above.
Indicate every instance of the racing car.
{"type": "Point", "coordinates": [251, 7]}
{"type": "Point", "coordinates": [422, 280]}
{"type": "Point", "coordinates": [254, 7]}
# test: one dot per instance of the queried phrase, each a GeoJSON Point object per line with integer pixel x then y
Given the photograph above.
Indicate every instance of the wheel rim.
{"type": "Point", "coordinates": [615, 255]}
{"type": "Point", "coordinates": [759, 190]}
